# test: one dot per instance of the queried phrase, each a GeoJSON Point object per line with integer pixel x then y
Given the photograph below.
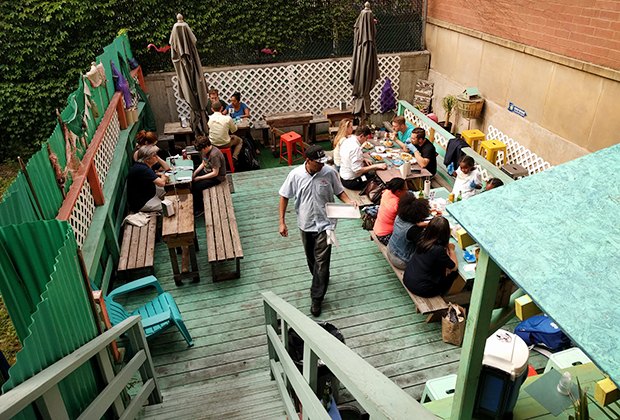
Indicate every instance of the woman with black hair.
{"type": "Point", "coordinates": [237, 109]}
{"type": "Point", "coordinates": [408, 227]}
{"type": "Point", "coordinates": [432, 268]}
{"type": "Point", "coordinates": [388, 208]}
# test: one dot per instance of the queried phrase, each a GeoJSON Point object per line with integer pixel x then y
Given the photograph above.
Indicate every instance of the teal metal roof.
{"type": "Point", "coordinates": [557, 235]}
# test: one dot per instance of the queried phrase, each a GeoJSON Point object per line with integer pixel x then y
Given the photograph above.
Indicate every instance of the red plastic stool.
{"type": "Point", "coordinates": [294, 144]}
{"type": "Point", "coordinates": [229, 158]}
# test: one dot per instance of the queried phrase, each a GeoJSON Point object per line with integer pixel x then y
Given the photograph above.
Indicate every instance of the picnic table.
{"type": "Point", "coordinates": [288, 119]}
{"type": "Point", "coordinates": [417, 174]}
{"type": "Point", "coordinates": [178, 232]}
{"type": "Point", "coordinates": [335, 115]}
{"type": "Point", "coordinates": [179, 132]}
{"type": "Point", "coordinates": [179, 176]}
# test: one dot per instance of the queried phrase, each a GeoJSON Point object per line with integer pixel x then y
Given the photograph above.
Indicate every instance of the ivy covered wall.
{"type": "Point", "coordinates": [46, 45]}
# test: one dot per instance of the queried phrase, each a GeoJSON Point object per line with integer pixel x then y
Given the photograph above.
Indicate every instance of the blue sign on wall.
{"type": "Point", "coordinates": [513, 108]}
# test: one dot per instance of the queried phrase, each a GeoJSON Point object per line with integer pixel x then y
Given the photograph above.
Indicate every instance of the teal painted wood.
{"type": "Point", "coordinates": [493, 170]}
{"type": "Point", "coordinates": [229, 358]}
{"type": "Point", "coordinates": [476, 333]}
{"type": "Point", "coordinates": [556, 235]}
{"type": "Point", "coordinates": [103, 236]}
{"type": "Point", "coordinates": [61, 320]}
{"type": "Point", "coordinates": [380, 397]}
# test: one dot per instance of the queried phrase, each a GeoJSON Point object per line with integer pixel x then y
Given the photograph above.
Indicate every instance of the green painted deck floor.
{"type": "Point", "coordinates": [225, 374]}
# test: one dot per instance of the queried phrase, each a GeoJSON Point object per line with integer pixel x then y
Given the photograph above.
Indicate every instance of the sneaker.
{"type": "Point", "coordinates": [315, 309]}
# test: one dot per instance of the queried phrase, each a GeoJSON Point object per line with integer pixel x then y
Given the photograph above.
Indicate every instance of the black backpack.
{"type": "Point", "coordinates": [247, 159]}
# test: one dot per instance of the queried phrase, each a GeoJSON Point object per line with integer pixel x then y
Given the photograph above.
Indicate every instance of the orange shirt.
{"type": "Point", "coordinates": [384, 225]}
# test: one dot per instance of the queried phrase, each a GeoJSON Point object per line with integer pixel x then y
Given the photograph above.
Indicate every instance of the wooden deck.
{"type": "Point", "coordinates": [225, 375]}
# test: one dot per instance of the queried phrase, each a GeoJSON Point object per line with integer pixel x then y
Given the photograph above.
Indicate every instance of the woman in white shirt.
{"type": "Point", "coordinates": [345, 129]}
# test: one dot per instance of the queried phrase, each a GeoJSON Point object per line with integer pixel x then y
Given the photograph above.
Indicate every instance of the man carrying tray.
{"type": "Point", "coordinates": [313, 185]}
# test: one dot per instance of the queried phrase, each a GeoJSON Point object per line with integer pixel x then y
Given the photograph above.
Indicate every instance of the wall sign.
{"type": "Point", "coordinates": [519, 111]}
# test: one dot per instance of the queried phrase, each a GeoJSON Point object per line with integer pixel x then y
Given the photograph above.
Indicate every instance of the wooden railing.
{"type": "Point", "coordinates": [42, 389]}
{"type": "Point", "coordinates": [375, 392]}
{"type": "Point", "coordinates": [441, 137]}
{"type": "Point", "coordinates": [95, 200]}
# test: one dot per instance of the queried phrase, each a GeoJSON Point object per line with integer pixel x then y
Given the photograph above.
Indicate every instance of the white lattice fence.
{"type": "Point", "coordinates": [105, 152]}
{"type": "Point", "coordinates": [82, 214]}
{"type": "Point", "coordinates": [310, 86]}
{"type": "Point", "coordinates": [517, 153]}
{"type": "Point", "coordinates": [440, 139]}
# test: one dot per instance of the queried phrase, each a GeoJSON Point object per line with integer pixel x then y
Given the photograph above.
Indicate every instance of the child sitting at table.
{"type": "Point", "coordinates": [468, 180]}
{"type": "Point", "coordinates": [493, 183]}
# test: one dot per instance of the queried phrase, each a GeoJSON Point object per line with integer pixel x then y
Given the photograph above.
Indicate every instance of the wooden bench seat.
{"type": "Point", "coordinates": [137, 250]}
{"type": "Point", "coordinates": [223, 242]}
{"type": "Point", "coordinates": [362, 200]}
{"type": "Point", "coordinates": [432, 306]}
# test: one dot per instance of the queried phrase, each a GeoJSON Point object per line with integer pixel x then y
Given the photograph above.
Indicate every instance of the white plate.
{"type": "Point", "coordinates": [342, 211]}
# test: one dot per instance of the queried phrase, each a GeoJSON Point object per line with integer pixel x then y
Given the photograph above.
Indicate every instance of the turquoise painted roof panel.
{"type": "Point", "coordinates": [557, 235]}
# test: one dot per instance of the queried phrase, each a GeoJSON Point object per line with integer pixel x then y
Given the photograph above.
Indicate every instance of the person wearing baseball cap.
{"type": "Point", "coordinates": [313, 185]}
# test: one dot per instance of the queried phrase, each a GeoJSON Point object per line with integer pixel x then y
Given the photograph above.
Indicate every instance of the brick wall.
{"type": "Point", "coordinates": [587, 30]}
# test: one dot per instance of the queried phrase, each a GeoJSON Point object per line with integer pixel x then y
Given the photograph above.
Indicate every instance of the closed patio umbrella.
{"type": "Point", "coordinates": [365, 65]}
{"type": "Point", "coordinates": [192, 83]}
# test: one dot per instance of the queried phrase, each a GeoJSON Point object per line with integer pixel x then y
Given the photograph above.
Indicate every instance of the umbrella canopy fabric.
{"type": "Point", "coordinates": [365, 65]}
{"type": "Point", "coordinates": [192, 83]}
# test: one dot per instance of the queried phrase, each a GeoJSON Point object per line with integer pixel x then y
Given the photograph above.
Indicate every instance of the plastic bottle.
{"type": "Point", "coordinates": [326, 398]}
{"type": "Point", "coordinates": [459, 198]}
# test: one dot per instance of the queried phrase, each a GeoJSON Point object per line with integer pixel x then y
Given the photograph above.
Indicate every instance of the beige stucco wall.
{"type": "Point", "coordinates": [572, 107]}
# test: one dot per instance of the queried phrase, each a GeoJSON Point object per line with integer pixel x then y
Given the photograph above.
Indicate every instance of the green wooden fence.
{"type": "Point", "coordinates": [41, 280]}
{"type": "Point", "coordinates": [45, 293]}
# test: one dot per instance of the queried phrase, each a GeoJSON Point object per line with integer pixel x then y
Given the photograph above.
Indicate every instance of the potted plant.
{"type": "Point", "coordinates": [449, 103]}
{"type": "Point", "coordinates": [580, 404]}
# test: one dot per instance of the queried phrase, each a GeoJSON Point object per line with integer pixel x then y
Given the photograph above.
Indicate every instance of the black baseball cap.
{"type": "Point", "coordinates": [316, 153]}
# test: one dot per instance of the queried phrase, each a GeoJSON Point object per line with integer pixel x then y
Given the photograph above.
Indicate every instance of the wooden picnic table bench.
{"type": "Point", "coordinates": [426, 306]}
{"type": "Point", "coordinates": [137, 250]}
{"type": "Point", "coordinates": [223, 242]}
{"type": "Point", "coordinates": [435, 306]}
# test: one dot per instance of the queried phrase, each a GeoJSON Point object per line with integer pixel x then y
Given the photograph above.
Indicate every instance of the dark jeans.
{"type": "Point", "coordinates": [197, 189]}
{"type": "Point", "coordinates": [318, 255]}
{"type": "Point", "coordinates": [354, 184]}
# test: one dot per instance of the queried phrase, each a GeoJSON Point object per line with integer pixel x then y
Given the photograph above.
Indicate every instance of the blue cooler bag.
{"type": "Point", "coordinates": [540, 330]}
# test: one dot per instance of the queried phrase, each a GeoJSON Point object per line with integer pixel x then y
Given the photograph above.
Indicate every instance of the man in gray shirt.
{"type": "Point", "coordinates": [313, 185]}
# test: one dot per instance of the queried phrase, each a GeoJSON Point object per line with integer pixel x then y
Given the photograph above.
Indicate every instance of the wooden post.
{"type": "Point", "coordinates": [270, 319]}
{"type": "Point", "coordinates": [122, 118]}
{"type": "Point", "coordinates": [95, 185]}
{"type": "Point", "coordinates": [476, 333]}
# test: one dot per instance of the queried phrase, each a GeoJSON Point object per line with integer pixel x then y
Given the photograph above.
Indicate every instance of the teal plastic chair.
{"type": "Point", "coordinates": [157, 315]}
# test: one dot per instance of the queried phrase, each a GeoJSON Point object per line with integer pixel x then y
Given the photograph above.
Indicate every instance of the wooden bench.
{"type": "Point", "coordinates": [362, 200]}
{"type": "Point", "coordinates": [313, 129]}
{"type": "Point", "coordinates": [428, 306]}
{"type": "Point", "coordinates": [137, 250]}
{"type": "Point", "coordinates": [223, 242]}
{"type": "Point", "coordinates": [436, 305]}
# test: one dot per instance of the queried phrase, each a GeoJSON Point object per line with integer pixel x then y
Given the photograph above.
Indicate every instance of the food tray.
{"type": "Point", "coordinates": [342, 211]}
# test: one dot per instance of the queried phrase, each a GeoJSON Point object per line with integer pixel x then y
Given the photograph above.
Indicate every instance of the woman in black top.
{"type": "Point", "coordinates": [432, 268]}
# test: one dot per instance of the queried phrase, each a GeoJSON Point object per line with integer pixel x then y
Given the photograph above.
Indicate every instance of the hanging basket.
{"type": "Point", "coordinates": [469, 108]}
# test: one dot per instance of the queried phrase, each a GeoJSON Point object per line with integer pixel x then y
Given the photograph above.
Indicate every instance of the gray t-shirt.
{"type": "Point", "coordinates": [311, 193]}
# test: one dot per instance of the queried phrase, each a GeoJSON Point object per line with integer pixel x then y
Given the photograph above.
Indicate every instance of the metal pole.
{"type": "Point", "coordinates": [424, 16]}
